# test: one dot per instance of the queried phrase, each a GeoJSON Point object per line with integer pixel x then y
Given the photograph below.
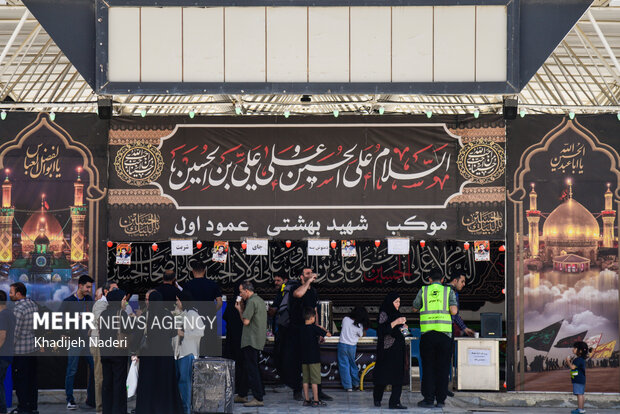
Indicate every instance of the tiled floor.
{"type": "Point", "coordinates": [354, 403]}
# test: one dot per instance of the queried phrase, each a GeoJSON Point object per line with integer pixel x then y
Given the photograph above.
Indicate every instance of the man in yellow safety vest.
{"type": "Point", "coordinates": [436, 304]}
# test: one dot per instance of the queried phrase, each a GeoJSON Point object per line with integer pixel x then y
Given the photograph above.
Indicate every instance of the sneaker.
{"type": "Point", "coordinates": [241, 400]}
{"type": "Point", "coordinates": [254, 403]}
{"type": "Point", "coordinates": [71, 405]}
{"type": "Point", "coordinates": [349, 389]}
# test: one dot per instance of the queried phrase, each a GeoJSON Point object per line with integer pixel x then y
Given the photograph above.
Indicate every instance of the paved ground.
{"type": "Point", "coordinates": [354, 403]}
{"type": "Point", "coordinates": [600, 379]}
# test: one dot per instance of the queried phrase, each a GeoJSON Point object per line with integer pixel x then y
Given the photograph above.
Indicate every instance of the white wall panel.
{"type": "Point", "coordinates": [301, 44]}
{"type": "Point", "coordinates": [162, 47]}
{"type": "Point", "coordinates": [287, 44]}
{"type": "Point", "coordinates": [370, 44]}
{"type": "Point", "coordinates": [491, 43]}
{"type": "Point", "coordinates": [124, 44]}
{"type": "Point", "coordinates": [329, 44]}
{"type": "Point", "coordinates": [455, 43]}
{"type": "Point", "coordinates": [412, 44]}
{"type": "Point", "coordinates": [245, 44]}
{"type": "Point", "coordinates": [203, 44]}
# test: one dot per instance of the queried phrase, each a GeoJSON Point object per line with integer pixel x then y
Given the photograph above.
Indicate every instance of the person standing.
{"type": "Point", "coordinates": [311, 335]}
{"type": "Point", "coordinates": [114, 359]}
{"type": "Point", "coordinates": [391, 357]}
{"type": "Point", "coordinates": [280, 284]}
{"type": "Point", "coordinates": [26, 349]}
{"type": "Point", "coordinates": [353, 327]}
{"type": "Point", "coordinates": [80, 302]}
{"type": "Point", "coordinates": [232, 347]}
{"type": "Point", "coordinates": [186, 346]}
{"type": "Point", "coordinates": [201, 288]}
{"type": "Point", "coordinates": [158, 391]}
{"type": "Point", "coordinates": [457, 283]}
{"type": "Point", "coordinates": [578, 374]}
{"type": "Point", "coordinates": [101, 303]}
{"type": "Point", "coordinates": [204, 291]}
{"type": "Point", "coordinates": [169, 290]}
{"type": "Point", "coordinates": [7, 337]}
{"type": "Point", "coordinates": [254, 316]}
{"type": "Point", "coordinates": [302, 295]}
{"type": "Point", "coordinates": [436, 304]}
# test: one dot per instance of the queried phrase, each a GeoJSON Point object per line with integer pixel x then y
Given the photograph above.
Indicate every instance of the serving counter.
{"type": "Point", "coordinates": [365, 356]}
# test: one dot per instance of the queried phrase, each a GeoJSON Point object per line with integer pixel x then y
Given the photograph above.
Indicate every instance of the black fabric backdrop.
{"type": "Point", "coordinates": [338, 180]}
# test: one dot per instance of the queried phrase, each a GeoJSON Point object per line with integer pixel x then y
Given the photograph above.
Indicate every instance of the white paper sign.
{"type": "Point", "coordinates": [398, 245]}
{"type": "Point", "coordinates": [257, 247]}
{"type": "Point", "coordinates": [181, 247]}
{"type": "Point", "coordinates": [318, 247]}
{"type": "Point", "coordinates": [479, 356]}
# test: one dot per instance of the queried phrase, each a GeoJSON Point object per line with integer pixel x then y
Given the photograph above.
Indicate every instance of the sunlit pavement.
{"type": "Point", "coordinates": [361, 403]}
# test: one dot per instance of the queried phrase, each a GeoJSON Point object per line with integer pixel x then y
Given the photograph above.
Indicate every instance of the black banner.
{"type": "Point", "coordinates": [346, 281]}
{"type": "Point", "coordinates": [229, 181]}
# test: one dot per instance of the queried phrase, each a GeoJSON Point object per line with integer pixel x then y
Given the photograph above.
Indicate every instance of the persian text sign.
{"type": "Point", "coordinates": [303, 181]}
{"type": "Point", "coordinates": [319, 166]}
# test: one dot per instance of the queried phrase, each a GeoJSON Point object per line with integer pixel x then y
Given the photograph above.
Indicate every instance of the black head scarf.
{"type": "Point", "coordinates": [114, 299]}
{"type": "Point", "coordinates": [388, 306]}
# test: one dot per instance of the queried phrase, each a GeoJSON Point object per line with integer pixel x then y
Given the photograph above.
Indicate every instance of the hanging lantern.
{"type": "Point", "coordinates": [333, 244]}
{"type": "Point", "coordinates": [377, 243]}
{"type": "Point", "coordinates": [288, 243]}
{"type": "Point", "coordinates": [199, 245]}
{"type": "Point", "coordinates": [422, 243]}
{"type": "Point", "coordinates": [244, 245]}
{"type": "Point", "coordinates": [502, 248]}
{"type": "Point", "coordinates": [154, 247]}
{"type": "Point", "coordinates": [109, 243]}
{"type": "Point", "coordinates": [466, 245]}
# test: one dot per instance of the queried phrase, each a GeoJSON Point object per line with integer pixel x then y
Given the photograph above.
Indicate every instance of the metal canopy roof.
{"type": "Point", "coordinates": [582, 75]}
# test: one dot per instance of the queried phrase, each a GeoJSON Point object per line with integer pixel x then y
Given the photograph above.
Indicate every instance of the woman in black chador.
{"type": "Point", "coordinates": [158, 391]}
{"type": "Point", "coordinates": [391, 361]}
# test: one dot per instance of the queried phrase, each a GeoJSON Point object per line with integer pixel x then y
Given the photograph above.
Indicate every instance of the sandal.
{"type": "Point", "coordinates": [307, 403]}
{"type": "Point", "coordinates": [319, 403]}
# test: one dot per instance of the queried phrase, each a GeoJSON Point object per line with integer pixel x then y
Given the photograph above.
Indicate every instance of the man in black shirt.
{"type": "Point", "coordinates": [201, 288]}
{"type": "Point", "coordinates": [280, 283]}
{"type": "Point", "coordinates": [80, 302]}
{"type": "Point", "coordinates": [168, 289]}
{"type": "Point", "coordinates": [303, 296]}
{"type": "Point", "coordinates": [203, 291]}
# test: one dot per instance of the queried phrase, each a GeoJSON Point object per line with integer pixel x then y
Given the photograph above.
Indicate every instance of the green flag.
{"type": "Point", "coordinates": [543, 340]}
{"type": "Point", "coordinates": [569, 341]}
